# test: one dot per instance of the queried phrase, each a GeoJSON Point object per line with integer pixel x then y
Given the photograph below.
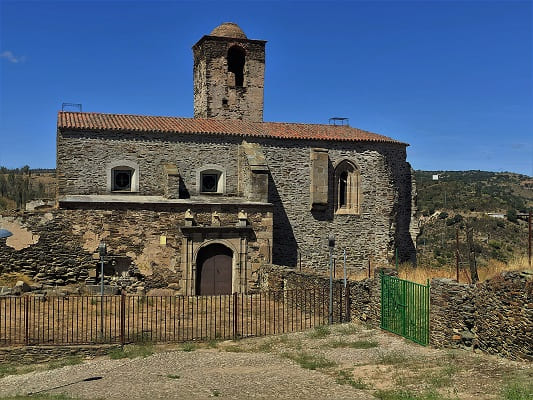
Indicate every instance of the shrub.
{"type": "Point", "coordinates": [443, 215]}
{"type": "Point", "coordinates": [511, 216]}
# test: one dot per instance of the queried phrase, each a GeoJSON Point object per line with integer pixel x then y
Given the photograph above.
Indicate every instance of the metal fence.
{"type": "Point", "coordinates": [123, 319]}
{"type": "Point", "coordinates": [405, 308]}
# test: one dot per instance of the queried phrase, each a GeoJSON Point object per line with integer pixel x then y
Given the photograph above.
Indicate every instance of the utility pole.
{"type": "Point", "coordinates": [102, 250]}
{"type": "Point", "coordinates": [457, 255]}
{"type": "Point", "coordinates": [529, 241]}
{"type": "Point", "coordinates": [344, 254]}
{"type": "Point", "coordinates": [331, 245]}
{"type": "Point", "coordinates": [471, 254]}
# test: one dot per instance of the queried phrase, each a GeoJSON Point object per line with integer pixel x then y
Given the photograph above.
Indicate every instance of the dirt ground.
{"type": "Point", "coordinates": [347, 361]}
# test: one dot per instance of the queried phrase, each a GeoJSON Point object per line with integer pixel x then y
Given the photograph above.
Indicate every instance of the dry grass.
{"type": "Point", "coordinates": [11, 278]}
{"type": "Point", "coordinates": [422, 273]}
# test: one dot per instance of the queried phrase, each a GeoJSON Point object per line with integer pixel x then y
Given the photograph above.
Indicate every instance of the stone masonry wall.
{"type": "Point", "coordinates": [82, 159]}
{"type": "Point", "coordinates": [299, 232]}
{"type": "Point", "coordinates": [215, 95]}
{"type": "Point", "coordinates": [63, 250]}
{"type": "Point", "coordinates": [365, 295]}
{"type": "Point", "coordinates": [504, 315]}
{"type": "Point", "coordinates": [452, 312]}
{"type": "Point", "coordinates": [382, 224]}
{"type": "Point", "coordinates": [495, 316]}
{"type": "Point", "coordinates": [41, 354]}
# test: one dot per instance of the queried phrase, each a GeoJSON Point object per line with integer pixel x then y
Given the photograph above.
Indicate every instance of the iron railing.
{"type": "Point", "coordinates": [71, 320]}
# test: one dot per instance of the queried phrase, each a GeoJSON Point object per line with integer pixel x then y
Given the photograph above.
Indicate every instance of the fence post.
{"type": "Point", "coordinates": [347, 301]}
{"type": "Point", "coordinates": [26, 320]}
{"type": "Point", "coordinates": [122, 316]}
{"type": "Point", "coordinates": [235, 322]}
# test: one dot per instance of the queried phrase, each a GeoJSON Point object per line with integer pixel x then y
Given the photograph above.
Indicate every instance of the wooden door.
{"type": "Point", "coordinates": [214, 265]}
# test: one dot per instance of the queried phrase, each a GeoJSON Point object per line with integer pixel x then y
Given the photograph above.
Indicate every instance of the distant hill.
{"type": "Point", "coordinates": [20, 185]}
{"type": "Point", "coordinates": [464, 198]}
{"type": "Point", "coordinates": [473, 191]}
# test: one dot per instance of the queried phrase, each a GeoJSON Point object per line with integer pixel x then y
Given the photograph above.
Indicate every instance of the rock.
{"type": "Point", "coordinates": [5, 291]}
{"type": "Point", "coordinates": [35, 286]}
{"type": "Point", "coordinates": [16, 291]}
{"type": "Point", "coordinates": [467, 335]}
{"type": "Point", "coordinates": [174, 286]}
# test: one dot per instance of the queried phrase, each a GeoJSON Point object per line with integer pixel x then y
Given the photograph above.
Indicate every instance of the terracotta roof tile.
{"type": "Point", "coordinates": [280, 130]}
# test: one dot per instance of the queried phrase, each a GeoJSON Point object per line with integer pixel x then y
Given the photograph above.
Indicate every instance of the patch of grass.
{"type": "Point", "coordinates": [172, 376]}
{"type": "Point", "coordinates": [14, 369]}
{"type": "Point", "coordinates": [345, 377]}
{"type": "Point", "coordinates": [187, 347]}
{"type": "Point", "coordinates": [283, 339]}
{"type": "Point", "coordinates": [392, 358]}
{"type": "Point", "coordinates": [407, 395]}
{"type": "Point", "coordinates": [310, 361]}
{"type": "Point", "coordinates": [518, 391]}
{"type": "Point", "coordinates": [319, 332]}
{"type": "Point", "coordinates": [213, 343]}
{"type": "Point", "coordinates": [347, 329]}
{"type": "Point", "coordinates": [443, 377]}
{"type": "Point", "coordinates": [132, 351]}
{"type": "Point", "coordinates": [7, 369]}
{"type": "Point", "coordinates": [62, 362]}
{"type": "Point", "coordinates": [40, 396]}
{"type": "Point", "coordinates": [358, 344]}
{"type": "Point", "coordinates": [234, 348]}
{"type": "Point", "coordinates": [215, 393]}
{"type": "Point", "coordinates": [266, 346]}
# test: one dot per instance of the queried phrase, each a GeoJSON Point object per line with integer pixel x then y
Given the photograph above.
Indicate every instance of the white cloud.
{"type": "Point", "coordinates": [9, 56]}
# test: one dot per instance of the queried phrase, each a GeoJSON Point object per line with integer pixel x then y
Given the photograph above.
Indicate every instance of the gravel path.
{"type": "Point", "coordinates": [202, 375]}
{"type": "Point", "coordinates": [258, 368]}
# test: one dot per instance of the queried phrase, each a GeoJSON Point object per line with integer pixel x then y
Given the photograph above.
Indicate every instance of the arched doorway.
{"type": "Point", "coordinates": [213, 270]}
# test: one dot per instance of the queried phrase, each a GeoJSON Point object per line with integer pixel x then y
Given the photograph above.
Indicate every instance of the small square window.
{"type": "Point", "coordinates": [210, 183]}
{"type": "Point", "coordinates": [122, 180]}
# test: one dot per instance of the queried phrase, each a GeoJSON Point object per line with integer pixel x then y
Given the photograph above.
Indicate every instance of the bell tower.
{"type": "Point", "coordinates": [229, 75]}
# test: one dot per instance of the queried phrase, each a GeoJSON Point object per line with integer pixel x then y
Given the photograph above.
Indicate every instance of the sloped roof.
{"type": "Point", "coordinates": [83, 121]}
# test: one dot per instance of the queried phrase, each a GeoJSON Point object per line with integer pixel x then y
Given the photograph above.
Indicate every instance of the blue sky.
{"type": "Point", "coordinates": [452, 78]}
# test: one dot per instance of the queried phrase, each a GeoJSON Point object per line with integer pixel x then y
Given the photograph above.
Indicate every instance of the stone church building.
{"type": "Point", "coordinates": [200, 204]}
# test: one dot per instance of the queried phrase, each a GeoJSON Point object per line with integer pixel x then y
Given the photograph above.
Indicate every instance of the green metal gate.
{"type": "Point", "coordinates": [405, 308]}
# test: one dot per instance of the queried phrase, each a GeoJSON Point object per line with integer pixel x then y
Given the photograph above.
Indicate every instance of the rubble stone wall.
{"type": "Point", "coordinates": [40, 354]}
{"type": "Point", "coordinates": [64, 251]}
{"type": "Point", "coordinates": [495, 316]}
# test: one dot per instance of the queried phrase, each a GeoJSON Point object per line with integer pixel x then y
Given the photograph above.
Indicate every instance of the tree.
{"type": "Point", "coordinates": [511, 215]}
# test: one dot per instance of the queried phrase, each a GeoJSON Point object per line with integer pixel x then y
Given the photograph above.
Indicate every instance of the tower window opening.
{"type": "Point", "coordinates": [236, 59]}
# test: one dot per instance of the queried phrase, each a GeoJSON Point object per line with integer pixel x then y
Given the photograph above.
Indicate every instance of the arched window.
{"type": "Point", "coordinates": [123, 176]}
{"type": "Point", "coordinates": [347, 188]}
{"type": "Point", "coordinates": [236, 59]}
